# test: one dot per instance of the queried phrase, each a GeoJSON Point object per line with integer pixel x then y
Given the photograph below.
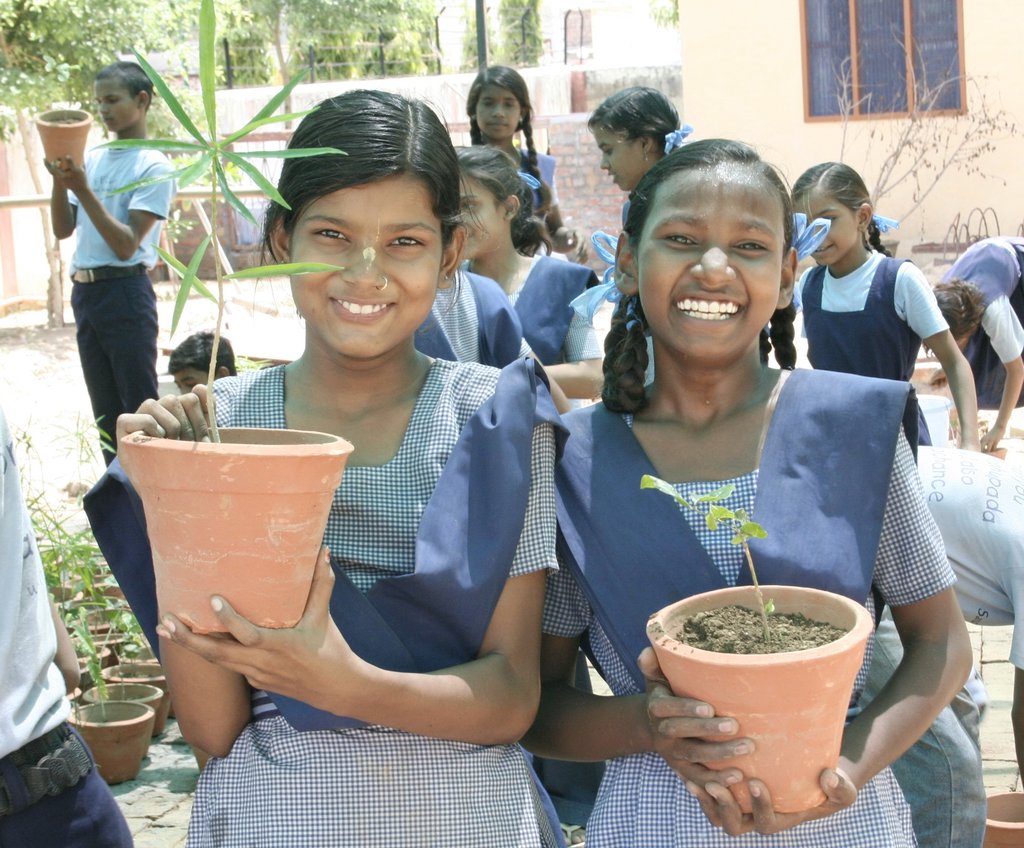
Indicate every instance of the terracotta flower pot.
{"type": "Point", "coordinates": [118, 734]}
{"type": "Point", "coordinates": [64, 132]}
{"type": "Point", "coordinates": [243, 519]}
{"type": "Point", "coordinates": [148, 674]}
{"type": "Point", "coordinates": [144, 693]}
{"type": "Point", "coordinates": [793, 705]}
{"type": "Point", "coordinates": [1004, 825]}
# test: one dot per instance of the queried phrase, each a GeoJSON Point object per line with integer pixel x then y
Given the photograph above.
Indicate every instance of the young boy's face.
{"type": "Point", "coordinates": [188, 378]}
{"type": "Point", "coordinates": [123, 114]}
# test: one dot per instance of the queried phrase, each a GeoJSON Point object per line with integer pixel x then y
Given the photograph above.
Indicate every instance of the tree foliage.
{"type": "Point", "coordinates": [51, 49]}
{"type": "Point", "coordinates": [521, 42]}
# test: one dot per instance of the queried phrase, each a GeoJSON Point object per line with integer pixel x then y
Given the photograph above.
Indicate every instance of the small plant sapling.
{"type": "Point", "coordinates": [210, 157]}
{"type": "Point", "coordinates": [736, 520]}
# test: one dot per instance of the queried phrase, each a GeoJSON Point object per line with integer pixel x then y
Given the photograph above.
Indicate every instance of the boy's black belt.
{"type": "Point", "coordinates": [107, 272]}
{"type": "Point", "coordinates": [55, 761]}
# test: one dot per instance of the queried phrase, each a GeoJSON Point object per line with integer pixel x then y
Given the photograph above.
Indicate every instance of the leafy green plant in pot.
{"type": "Point", "coordinates": [791, 702]}
{"type": "Point", "coordinates": [116, 731]}
{"type": "Point", "coordinates": [242, 515]}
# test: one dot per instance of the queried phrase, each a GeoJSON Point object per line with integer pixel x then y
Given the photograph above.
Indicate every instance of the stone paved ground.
{"type": "Point", "coordinates": [42, 393]}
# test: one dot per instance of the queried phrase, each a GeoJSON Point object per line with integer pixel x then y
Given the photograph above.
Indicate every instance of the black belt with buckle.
{"type": "Point", "coordinates": [107, 272]}
{"type": "Point", "coordinates": [55, 761]}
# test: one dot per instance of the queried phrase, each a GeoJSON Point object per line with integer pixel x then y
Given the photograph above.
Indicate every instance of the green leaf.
{"type": "Point", "coordinates": [753, 530]}
{"type": "Point", "coordinates": [717, 495]}
{"type": "Point", "coordinates": [188, 280]}
{"type": "Point", "coordinates": [720, 513]}
{"type": "Point", "coordinates": [711, 521]}
{"type": "Point", "coordinates": [173, 261]}
{"type": "Point", "coordinates": [257, 177]}
{"type": "Point", "coordinates": [649, 481]}
{"type": "Point", "coordinates": [207, 63]}
{"type": "Point", "coordinates": [256, 123]}
{"type": "Point", "coordinates": [193, 172]}
{"type": "Point", "coordinates": [288, 269]}
{"type": "Point", "coordinates": [172, 102]}
{"type": "Point", "coordinates": [270, 106]}
{"type": "Point", "coordinates": [769, 607]}
{"type": "Point", "coordinates": [293, 153]}
{"type": "Point", "coordinates": [153, 144]}
{"type": "Point", "coordinates": [233, 199]}
{"type": "Point", "coordinates": [147, 181]}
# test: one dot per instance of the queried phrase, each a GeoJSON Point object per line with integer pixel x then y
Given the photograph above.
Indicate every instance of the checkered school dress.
{"type": "Point", "coordinates": [456, 311]}
{"type": "Point", "coordinates": [642, 803]}
{"type": "Point", "coordinates": [377, 786]}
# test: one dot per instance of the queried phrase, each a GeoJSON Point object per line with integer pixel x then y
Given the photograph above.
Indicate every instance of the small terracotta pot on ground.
{"type": "Point", "coordinates": [1004, 826]}
{"type": "Point", "coordinates": [793, 705]}
{"type": "Point", "coordinates": [144, 693]}
{"type": "Point", "coordinates": [243, 519]}
{"type": "Point", "coordinates": [118, 734]}
{"type": "Point", "coordinates": [150, 673]}
{"type": "Point", "coordinates": [64, 132]}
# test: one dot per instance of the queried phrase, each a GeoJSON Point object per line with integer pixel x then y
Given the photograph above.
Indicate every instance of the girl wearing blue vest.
{"type": "Point", "coordinates": [864, 311]}
{"type": "Point", "coordinates": [708, 240]}
{"type": "Point", "coordinates": [389, 714]}
{"type": "Point", "coordinates": [503, 243]}
{"type": "Point", "coordinates": [499, 109]}
{"type": "Point", "coordinates": [982, 298]}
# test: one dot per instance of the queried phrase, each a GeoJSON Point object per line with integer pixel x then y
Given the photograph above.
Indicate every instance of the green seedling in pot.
{"type": "Point", "coordinates": [209, 157]}
{"type": "Point", "coordinates": [736, 520]}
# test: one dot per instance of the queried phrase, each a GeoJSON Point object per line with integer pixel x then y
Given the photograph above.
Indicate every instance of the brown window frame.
{"type": "Point", "coordinates": [855, 113]}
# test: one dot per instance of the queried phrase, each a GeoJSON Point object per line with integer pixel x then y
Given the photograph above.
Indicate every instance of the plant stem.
{"type": "Point", "coordinates": [219, 270]}
{"type": "Point", "coordinates": [757, 590]}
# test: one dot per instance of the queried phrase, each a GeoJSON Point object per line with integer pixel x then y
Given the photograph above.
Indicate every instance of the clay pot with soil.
{"type": "Point", "coordinates": [146, 674]}
{"type": "Point", "coordinates": [242, 518]}
{"type": "Point", "coordinates": [792, 704]}
{"type": "Point", "coordinates": [144, 693]}
{"type": "Point", "coordinates": [118, 734]}
{"type": "Point", "coordinates": [786, 676]}
{"type": "Point", "coordinates": [64, 132]}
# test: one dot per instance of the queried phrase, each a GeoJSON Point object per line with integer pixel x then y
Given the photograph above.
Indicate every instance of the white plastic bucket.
{"type": "Point", "coordinates": [936, 415]}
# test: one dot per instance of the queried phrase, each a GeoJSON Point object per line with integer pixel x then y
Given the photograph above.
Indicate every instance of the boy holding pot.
{"type": "Point", "coordinates": [113, 299]}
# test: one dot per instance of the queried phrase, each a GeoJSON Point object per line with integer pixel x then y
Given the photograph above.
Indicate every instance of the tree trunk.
{"type": "Point", "coordinates": [55, 284]}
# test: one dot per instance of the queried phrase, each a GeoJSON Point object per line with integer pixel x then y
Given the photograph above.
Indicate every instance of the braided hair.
{"type": "Point", "coordinates": [626, 360]}
{"type": "Point", "coordinates": [841, 182]}
{"type": "Point", "coordinates": [962, 305]}
{"type": "Point", "coordinates": [500, 176]}
{"type": "Point", "coordinates": [511, 80]}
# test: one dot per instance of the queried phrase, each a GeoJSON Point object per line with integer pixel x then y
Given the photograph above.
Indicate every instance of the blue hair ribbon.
{"type": "Point", "coordinates": [587, 303]}
{"type": "Point", "coordinates": [530, 180]}
{"type": "Point", "coordinates": [676, 138]}
{"type": "Point", "coordinates": [808, 237]}
{"type": "Point", "coordinates": [633, 321]}
{"type": "Point", "coordinates": [885, 224]}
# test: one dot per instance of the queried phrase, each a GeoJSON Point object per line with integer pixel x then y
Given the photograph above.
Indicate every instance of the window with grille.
{"type": "Point", "coordinates": [868, 58]}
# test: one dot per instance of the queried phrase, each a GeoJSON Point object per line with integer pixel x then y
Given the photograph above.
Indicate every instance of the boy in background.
{"type": "Point", "coordinates": [189, 363]}
{"type": "Point", "coordinates": [112, 297]}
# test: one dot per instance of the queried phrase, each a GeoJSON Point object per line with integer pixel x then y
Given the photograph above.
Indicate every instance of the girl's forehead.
{"type": "Point", "coordinates": [729, 183]}
{"type": "Point", "coordinates": [496, 92]}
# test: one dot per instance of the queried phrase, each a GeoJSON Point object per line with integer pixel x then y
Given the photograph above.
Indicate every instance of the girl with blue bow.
{"type": "Point", "coordinates": [710, 244]}
{"type": "Point", "coordinates": [866, 312]}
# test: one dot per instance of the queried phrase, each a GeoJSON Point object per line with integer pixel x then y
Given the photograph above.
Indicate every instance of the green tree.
{"type": "Point", "coordinates": [521, 43]}
{"type": "Point", "coordinates": [49, 53]}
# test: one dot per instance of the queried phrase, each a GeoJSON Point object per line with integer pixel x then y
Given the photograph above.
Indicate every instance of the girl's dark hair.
{"type": "Point", "coordinates": [500, 176]}
{"type": "Point", "coordinates": [847, 187]}
{"type": "Point", "coordinates": [381, 135]}
{"type": "Point", "coordinates": [625, 361]}
{"type": "Point", "coordinates": [511, 80]}
{"type": "Point", "coordinates": [130, 75]}
{"type": "Point", "coordinates": [637, 112]}
{"type": "Point", "coordinates": [962, 305]}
